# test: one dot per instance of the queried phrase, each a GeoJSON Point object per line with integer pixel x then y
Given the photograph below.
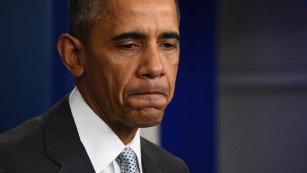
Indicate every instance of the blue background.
{"type": "Point", "coordinates": [34, 78]}
{"type": "Point", "coordinates": [188, 127]}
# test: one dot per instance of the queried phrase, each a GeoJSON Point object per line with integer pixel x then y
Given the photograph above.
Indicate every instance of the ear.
{"type": "Point", "coordinates": [70, 50]}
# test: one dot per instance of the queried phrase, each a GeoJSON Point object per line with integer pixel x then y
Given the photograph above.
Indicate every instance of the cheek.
{"type": "Point", "coordinates": [173, 62]}
{"type": "Point", "coordinates": [171, 77]}
{"type": "Point", "coordinates": [172, 70]}
{"type": "Point", "coordinates": [122, 78]}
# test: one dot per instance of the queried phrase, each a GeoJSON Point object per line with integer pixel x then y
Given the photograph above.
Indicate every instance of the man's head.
{"type": "Point", "coordinates": [84, 13]}
{"type": "Point", "coordinates": [127, 71]}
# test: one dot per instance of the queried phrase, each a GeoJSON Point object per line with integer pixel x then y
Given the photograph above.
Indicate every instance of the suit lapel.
{"type": "Point", "coordinates": [149, 163]}
{"type": "Point", "coordinates": [62, 141]}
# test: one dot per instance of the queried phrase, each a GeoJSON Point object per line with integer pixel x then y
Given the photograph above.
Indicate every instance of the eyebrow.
{"type": "Point", "coordinates": [128, 35]}
{"type": "Point", "coordinates": [138, 36]}
{"type": "Point", "coordinates": [170, 35]}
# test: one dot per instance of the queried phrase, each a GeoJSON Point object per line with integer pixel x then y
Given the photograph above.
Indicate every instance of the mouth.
{"type": "Point", "coordinates": [148, 93]}
{"type": "Point", "coordinates": [148, 97]}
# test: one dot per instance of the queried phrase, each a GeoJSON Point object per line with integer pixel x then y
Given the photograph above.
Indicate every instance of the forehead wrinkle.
{"type": "Point", "coordinates": [118, 9]}
{"type": "Point", "coordinates": [117, 13]}
{"type": "Point", "coordinates": [155, 25]}
{"type": "Point", "coordinates": [147, 10]}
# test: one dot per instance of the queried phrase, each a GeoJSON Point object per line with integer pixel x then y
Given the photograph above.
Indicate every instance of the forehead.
{"type": "Point", "coordinates": [124, 9]}
{"type": "Point", "coordinates": [148, 17]}
{"type": "Point", "coordinates": [143, 4]}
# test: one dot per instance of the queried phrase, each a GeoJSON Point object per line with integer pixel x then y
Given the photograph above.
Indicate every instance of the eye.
{"type": "Point", "coordinates": [168, 45]}
{"type": "Point", "coordinates": [128, 46]}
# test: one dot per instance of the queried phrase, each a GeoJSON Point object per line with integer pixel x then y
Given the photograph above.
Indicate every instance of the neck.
{"type": "Point", "coordinates": [124, 132]}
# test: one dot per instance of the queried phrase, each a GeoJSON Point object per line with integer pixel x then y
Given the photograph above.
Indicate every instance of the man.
{"type": "Point", "coordinates": [124, 56]}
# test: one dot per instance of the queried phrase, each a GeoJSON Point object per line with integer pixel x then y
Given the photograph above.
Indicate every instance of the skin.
{"type": "Point", "coordinates": [127, 71]}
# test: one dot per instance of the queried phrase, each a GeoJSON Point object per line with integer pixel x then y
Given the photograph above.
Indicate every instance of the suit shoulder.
{"type": "Point", "coordinates": [157, 149]}
{"type": "Point", "coordinates": [166, 160]}
{"type": "Point", "coordinates": [21, 138]}
{"type": "Point", "coordinates": [22, 149]}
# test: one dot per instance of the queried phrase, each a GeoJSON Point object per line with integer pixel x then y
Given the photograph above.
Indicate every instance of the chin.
{"type": "Point", "coordinates": [147, 118]}
{"type": "Point", "coordinates": [147, 124]}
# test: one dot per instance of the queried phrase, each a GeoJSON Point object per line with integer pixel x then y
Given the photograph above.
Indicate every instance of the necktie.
{"type": "Point", "coordinates": [127, 161]}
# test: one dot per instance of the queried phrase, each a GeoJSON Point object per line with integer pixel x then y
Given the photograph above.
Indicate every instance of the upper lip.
{"type": "Point", "coordinates": [144, 92]}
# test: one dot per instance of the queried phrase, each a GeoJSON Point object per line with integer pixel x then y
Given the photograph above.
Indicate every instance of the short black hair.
{"type": "Point", "coordinates": [82, 14]}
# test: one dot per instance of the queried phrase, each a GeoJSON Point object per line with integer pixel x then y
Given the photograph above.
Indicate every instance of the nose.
{"type": "Point", "coordinates": [151, 65]}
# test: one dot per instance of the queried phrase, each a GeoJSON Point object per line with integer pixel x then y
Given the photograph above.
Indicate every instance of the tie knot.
{"type": "Point", "coordinates": [127, 161]}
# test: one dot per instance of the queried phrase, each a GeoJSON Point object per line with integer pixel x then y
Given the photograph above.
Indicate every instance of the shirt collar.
{"type": "Point", "coordinates": [101, 143]}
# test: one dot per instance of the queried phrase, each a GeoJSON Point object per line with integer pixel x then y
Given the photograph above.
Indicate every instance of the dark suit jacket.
{"type": "Point", "coordinates": [50, 143]}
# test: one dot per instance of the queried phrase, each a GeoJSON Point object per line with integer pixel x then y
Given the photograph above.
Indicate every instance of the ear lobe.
{"type": "Point", "coordinates": [70, 49]}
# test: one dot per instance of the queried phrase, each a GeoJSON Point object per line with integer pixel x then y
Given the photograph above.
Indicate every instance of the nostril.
{"type": "Point", "coordinates": [153, 75]}
{"type": "Point", "coordinates": [150, 71]}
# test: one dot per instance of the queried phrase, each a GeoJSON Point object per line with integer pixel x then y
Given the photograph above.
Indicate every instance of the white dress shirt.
{"type": "Point", "coordinates": [101, 143]}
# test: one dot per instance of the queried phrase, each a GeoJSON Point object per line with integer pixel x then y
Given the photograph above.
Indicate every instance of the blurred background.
{"type": "Point", "coordinates": [241, 95]}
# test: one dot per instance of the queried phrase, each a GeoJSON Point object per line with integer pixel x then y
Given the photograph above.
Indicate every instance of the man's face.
{"type": "Point", "coordinates": [131, 62]}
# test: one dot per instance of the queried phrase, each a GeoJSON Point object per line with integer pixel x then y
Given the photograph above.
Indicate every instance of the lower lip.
{"type": "Point", "coordinates": [148, 96]}
{"type": "Point", "coordinates": [141, 101]}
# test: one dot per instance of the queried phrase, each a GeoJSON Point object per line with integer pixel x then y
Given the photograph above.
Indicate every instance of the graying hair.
{"type": "Point", "coordinates": [82, 14]}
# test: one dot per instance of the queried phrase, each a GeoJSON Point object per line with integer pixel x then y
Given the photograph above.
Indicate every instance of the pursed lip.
{"type": "Point", "coordinates": [150, 92]}
{"type": "Point", "coordinates": [148, 97]}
